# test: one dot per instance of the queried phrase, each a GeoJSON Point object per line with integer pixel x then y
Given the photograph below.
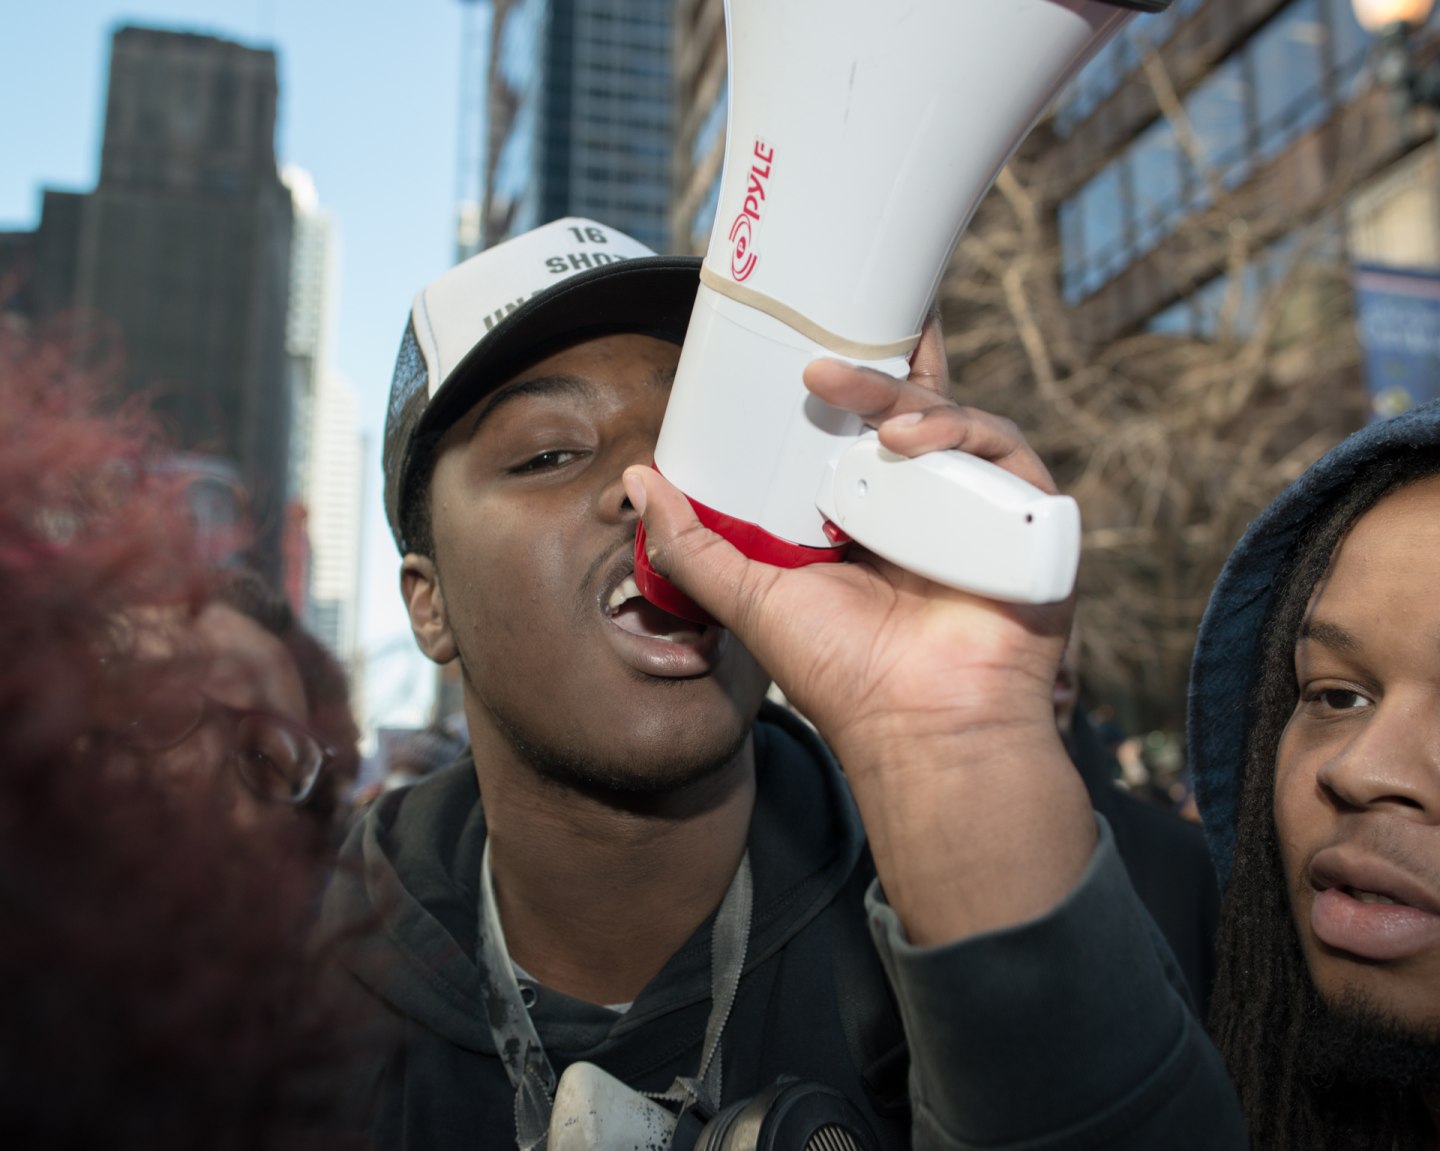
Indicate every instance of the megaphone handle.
{"type": "Point", "coordinates": [955, 519]}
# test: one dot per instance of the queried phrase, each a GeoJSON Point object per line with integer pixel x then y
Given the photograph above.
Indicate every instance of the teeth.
{"type": "Point", "coordinates": [628, 589]}
{"type": "Point", "coordinates": [1370, 897]}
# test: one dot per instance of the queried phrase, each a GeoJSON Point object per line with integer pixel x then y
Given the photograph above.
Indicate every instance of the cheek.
{"type": "Point", "coordinates": [512, 597]}
{"type": "Point", "coordinates": [1285, 772]}
{"type": "Point", "coordinates": [287, 694]}
{"type": "Point", "coordinates": [1296, 811]}
{"type": "Point", "coordinates": [202, 754]}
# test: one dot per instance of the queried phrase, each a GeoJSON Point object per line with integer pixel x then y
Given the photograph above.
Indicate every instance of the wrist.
{"type": "Point", "coordinates": [1004, 720]}
{"type": "Point", "coordinates": [975, 825]}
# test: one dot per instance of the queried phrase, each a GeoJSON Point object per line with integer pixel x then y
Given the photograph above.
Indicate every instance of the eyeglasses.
{"type": "Point", "coordinates": [276, 759]}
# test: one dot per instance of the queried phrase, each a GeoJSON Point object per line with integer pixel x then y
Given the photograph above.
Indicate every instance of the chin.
{"type": "Point", "coordinates": [1399, 1006]}
{"type": "Point", "coordinates": [1356, 1038]}
{"type": "Point", "coordinates": [681, 738]}
{"type": "Point", "coordinates": [646, 772]}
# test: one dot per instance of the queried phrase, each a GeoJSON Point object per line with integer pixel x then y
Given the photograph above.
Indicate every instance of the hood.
{"type": "Point", "coordinates": [403, 907]}
{"type": "Point", "coordinates": [1226, 666]}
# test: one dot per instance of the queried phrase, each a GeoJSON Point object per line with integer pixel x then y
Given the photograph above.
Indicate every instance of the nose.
{"type": "Point", "coordinates": [1392, 762]}
{"type": "Point", "coordinates": [614, 504]}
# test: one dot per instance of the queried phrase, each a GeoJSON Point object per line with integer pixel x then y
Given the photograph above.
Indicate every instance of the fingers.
{"type": "Point", "coordinates": [868, 393]}
{"type": "Point", "coordinates": [913, 419]}
{"type": "Point", "coordinates": [929, 364]}
{"type": "Point", "coordinates": [878, 396]}
{"type": "Point", "coordinates": [949, 426]}
{"type": "Point", "coordinates": [698, 561]}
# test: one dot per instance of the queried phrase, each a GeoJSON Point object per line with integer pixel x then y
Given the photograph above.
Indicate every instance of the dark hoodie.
{"type": "Point", "coordinates": [1067, 1031]}
{"type": "Point", "coordinates": [1266, 1016]}
{"type": "Point", "coordinates": [1164, 855]}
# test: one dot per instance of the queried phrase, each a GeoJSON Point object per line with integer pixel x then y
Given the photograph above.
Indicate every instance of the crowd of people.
{"type": "Point", "coordinates": [643, 901]}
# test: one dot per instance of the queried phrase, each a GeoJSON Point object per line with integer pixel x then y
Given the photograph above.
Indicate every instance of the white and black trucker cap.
{"type": "Point", "coordinates": [492, 316]}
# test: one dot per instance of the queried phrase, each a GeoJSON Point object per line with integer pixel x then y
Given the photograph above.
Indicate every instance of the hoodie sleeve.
{"type": "Point", "coordinates": [1067, 1031]}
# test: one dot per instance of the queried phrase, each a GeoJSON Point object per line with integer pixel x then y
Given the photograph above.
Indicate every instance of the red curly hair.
{"type": "Point", "coordinates": [152, 973]}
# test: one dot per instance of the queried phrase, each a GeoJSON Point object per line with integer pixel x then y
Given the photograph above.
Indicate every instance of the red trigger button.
{"type": "Point", "coordinates": [834, 534]}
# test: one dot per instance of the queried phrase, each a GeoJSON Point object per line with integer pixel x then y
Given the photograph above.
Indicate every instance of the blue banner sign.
{"type": "Point", "coordinates": [1397, 313]}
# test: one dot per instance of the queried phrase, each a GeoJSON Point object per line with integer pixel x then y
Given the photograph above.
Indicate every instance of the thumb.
{"type": "Point", "coordinates": [700, 562]}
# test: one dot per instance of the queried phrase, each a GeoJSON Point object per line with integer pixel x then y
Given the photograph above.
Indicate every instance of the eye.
{"type": "Point", "coordinates": [1335, 699]}
{"type": "Point", "coordinates": [554, 458]}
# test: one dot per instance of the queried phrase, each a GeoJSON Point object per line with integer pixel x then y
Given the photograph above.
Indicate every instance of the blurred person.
{"type": "Point", "coordinates": [1315, 746]}
{"type": "Point", "coordinates": [413, 757]}
{"type": "Point", "coordinates": [263, 657]}
{"type": "Point", "coordinates": [1107, 726]}
{"type": "Point", "coordinates": [1165, 856]}
{"type": "Point", "coordinates": [643, 866]}
{"type": "Point", "coordinates": [153, 986]}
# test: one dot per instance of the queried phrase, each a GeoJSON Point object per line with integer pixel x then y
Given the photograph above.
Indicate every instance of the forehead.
{"type": "Point", "coordinates": [1404, 523]}
{"type": "Point", "coordinates": [249, 668]}
{"type": "Point", "coordinates": [617, 368]}
{"type": "Point", "coordinates": [1389, 561]}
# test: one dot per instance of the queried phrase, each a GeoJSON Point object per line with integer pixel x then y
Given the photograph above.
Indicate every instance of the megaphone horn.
{"type": "Point", "coordinates": [860, 138]}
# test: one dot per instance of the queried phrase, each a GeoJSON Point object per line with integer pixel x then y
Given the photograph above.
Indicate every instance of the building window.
{"type": "Point", "coordinates": [1286, 79]}
{"type": "Point", "coordinates": [1100, 229]}
{"type": "Point", "coordinates": [705, 216]}
{"type": "Point", "coordinates": [1210, 301]}
{"type": "Point", "coordinates": [1286, 60]}
{"type": "Point", "coordinates": [1156, 183]}
{"type": "Point", "coordinates": [1301, 266]}
{"type": "Point", "coordinates": [1218, 113]}
{"type": "Point", "coordinates": [711, 127]}
{"type": "Point", "coordinates": [1099, 79]}
{"type": "Point", "coordinates": [1349, 48]}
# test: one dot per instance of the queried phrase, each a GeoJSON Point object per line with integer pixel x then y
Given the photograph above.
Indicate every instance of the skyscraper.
{"type": "Point", "coordinates": [580, 101]}
{"type": "Point", "coordinates": [327, 454]}
{"type": "Point", "coordinates": [334, 489]}
{"type": "Point", "coordinates": [308, 321]}
{"type": "Point", "coordinates": [182, 252]}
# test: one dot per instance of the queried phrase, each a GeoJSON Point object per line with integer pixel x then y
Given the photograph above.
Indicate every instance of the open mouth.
{"type": "Point", "coordinates": [628, 610]}
{"type": "Point", "coordinates": [1369, 908]}
{"type": "Point", "coordinates": [1367, 896]}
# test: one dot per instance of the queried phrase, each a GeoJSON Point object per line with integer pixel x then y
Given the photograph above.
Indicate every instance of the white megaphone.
{"type": "Point", "coordinates": [861, 136]}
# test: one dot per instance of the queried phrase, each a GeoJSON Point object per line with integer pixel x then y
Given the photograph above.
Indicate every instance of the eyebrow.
{"type": "Point", "coordinates": [1328, 635]}
{"type": "Point", "coordinates": [539, 386]}
{"type": "Point", "coordinates": [661, 379]}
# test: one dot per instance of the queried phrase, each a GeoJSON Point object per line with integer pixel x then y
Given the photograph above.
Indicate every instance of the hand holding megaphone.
{"type": "Point", "coordinates": [858, 646]}
{"type": "Point", "coordinates": [861, 137]}
{"type": "Point", "coordinates": [905, 492]}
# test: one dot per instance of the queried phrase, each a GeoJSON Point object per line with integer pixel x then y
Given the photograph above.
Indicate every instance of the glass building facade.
{"type": "Point", "coordinates": [709, 139]}
{"type": "Point", "coordinates": [1286, 78]}
{"type": "Point", "coordinates": [581, 115]}
{"type": "Point", "coordinates": [1292, 74]}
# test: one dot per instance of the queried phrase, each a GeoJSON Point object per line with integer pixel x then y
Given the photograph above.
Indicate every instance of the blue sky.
{"type": "Point", "coordinates": [369, 105]}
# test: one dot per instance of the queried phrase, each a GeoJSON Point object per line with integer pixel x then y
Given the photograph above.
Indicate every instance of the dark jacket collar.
{"type": "Point", "coordinates": [403, 905]}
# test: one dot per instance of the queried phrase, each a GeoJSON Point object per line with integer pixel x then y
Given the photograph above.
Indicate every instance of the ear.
{"type": "Point", "coordinates": [425, 601]}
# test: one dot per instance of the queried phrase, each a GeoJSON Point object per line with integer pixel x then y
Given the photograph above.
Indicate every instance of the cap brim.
{"type": "Point", "coordinates": [650, 296]}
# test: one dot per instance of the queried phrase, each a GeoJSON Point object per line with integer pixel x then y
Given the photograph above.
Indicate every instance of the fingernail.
{"type": "Point", "coordinates": [635, 490]}
{"type": "Point", "coordinates": [908, 420]}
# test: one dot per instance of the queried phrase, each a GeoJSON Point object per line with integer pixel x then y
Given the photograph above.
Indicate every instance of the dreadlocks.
{"type": "Point", "coordinates": [1264, 1003]}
